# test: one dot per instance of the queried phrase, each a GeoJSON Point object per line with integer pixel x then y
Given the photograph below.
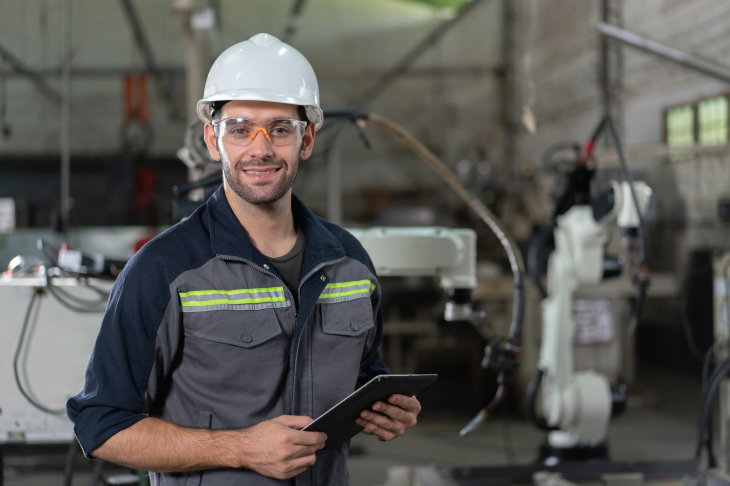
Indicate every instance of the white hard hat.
{"type": "Point", "coordinates": [263, 69]}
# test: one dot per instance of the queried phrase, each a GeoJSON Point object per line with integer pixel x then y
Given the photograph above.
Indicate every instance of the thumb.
{"type": "Point", "coordinates": [294, 421]}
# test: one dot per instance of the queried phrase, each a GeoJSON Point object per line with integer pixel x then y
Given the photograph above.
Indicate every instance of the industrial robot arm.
{"type": "Point", "coordinates": [578, 404]}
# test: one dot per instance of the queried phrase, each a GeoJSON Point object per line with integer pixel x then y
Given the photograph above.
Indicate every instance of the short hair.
{"type": "Point", "coordinates": [218, 112]}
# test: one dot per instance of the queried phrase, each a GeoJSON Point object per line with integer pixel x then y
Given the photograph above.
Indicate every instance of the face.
{"type": "Point", "coordinates": [260, 173]}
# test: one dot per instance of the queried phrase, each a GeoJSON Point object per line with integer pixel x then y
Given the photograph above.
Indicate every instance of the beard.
{"type": "Point", "coordinates": [262, 193]}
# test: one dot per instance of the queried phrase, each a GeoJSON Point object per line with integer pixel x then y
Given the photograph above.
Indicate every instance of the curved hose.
{"type": "Point", "coordinates": [533, 256]}
{"type": "Point", "coordinates": [484, 413]}
{"type": "Point", "coordinates": [532, 388]}
{"type": "Point", "coordinates": [18, 352]}
{"type": "Point", "coordinates": [442, 170]}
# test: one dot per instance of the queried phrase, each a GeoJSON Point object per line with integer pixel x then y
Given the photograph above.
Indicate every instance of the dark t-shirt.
{"type": "Point", "coordinates": [289, 266]}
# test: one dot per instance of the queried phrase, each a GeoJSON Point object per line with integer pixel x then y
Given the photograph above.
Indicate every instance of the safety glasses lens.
{"type": "Point", "coordinates": [240, 131]}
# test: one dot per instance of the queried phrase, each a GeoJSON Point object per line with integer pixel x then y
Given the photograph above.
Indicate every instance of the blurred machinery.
{"type": "Point", "coordinates": [578, 405]}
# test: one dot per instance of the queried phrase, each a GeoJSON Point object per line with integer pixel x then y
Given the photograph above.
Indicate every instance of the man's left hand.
{"type": "Point", "coordinates": [390, 420]}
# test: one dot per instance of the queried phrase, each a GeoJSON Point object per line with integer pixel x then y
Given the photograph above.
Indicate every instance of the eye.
{"type": "Point", "coordinates": [238, 130]}
{"type": "Point", "coordinates": [280, 129]}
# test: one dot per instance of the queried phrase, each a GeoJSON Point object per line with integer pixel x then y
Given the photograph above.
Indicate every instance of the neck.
{"type": "Point", "coordinates": [269, 226]}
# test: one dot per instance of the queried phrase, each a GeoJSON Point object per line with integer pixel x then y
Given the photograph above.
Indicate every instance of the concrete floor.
{"type": "Point", "coordinates": [659, 425]}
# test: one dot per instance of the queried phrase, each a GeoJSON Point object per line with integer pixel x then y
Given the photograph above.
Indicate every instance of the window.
{"type": "Point", "coordinates": [712, 120]}
{"type": "Point", "coordinates": [680, 126]}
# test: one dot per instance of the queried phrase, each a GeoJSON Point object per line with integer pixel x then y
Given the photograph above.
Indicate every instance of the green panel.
{"type": "Point", "coordinates": [452, 4]}
{"type": "Point", "coordinates": [680, 126]}
{"type": "Point", "coordinates": [712, 117]}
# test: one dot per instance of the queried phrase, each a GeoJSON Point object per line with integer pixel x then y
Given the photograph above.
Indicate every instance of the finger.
{"type": "Point", "coordinates": [303, 451]}
{"type": "Point", "coordinates": [377, 431]}
{"type": "Point", "coordinates": [304, 462]}
{"type": "Point", "coordinates": [293, 421]}
{"type": "Point", "coordinates": [410, 404]}
{"type": "Point", "coordinates": [384, 422]}
{"type": "Point", "coordinates": [395, 413]}
{"type": "Point", "coordinates": [310, 438]}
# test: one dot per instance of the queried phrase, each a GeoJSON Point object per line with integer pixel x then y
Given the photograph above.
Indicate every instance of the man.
{"type": "Point", "coordinates": [227, 333]}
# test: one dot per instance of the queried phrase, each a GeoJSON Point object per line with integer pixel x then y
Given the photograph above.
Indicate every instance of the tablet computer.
{"type": "Point", "coordinates": [339, 421]}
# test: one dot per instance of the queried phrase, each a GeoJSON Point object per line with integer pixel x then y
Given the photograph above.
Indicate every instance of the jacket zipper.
{"type": "Point", "coordinates": [294, 304]}
{"type": "Point", "coordinates": [261, 270]}
{"type": "Point", "coordinates": [299, 296]}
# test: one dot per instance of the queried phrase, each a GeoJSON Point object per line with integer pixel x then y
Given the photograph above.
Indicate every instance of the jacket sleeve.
{"type": "Point", "coordinates": [115, 394]}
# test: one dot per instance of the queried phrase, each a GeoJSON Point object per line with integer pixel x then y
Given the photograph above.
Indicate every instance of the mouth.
{"type": "Point", "coordinates": [260, 173]}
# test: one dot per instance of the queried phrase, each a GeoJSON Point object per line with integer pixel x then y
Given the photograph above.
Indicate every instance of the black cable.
{"type": "Point", "coordinates": [531, 396]}
{"type": "Point", "coordinates": [643, 272]}
{"type": "Point", "coordinates": [79, 300]}
{"type": "Point", "coordinates": [509, 447]}
{"type": "Point", "coordinates": [706, 364]}
{"type": "Point", "coordinates": [687, 327]}
{"type": "Point", "coordinates": [96, 477]}
{"type": "Point", "coordinates": [706, 410]}
{"type": "Point", "coordinates": [68, 470]}
{"type": "Point", "coordinates": [533, 256]}
{"type": "Point", "coordinates": [54, 291]}
{"type": "Point", "coordinates": [18, 352]}
{"type": "Point", "coordinates": [627, 175]}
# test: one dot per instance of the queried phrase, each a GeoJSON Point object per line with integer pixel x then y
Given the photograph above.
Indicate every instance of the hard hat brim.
{"type": "Point", "coordinates": [205, 106]}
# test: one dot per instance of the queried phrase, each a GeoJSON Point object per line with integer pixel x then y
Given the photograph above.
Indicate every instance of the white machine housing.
{"type": "Point", "coordinates": [61, 341]}
{"type": "Point", "coordinates": [423, 251]}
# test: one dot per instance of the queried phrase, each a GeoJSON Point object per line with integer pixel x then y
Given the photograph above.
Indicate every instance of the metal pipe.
{"type": "Point", "coordinates": [414, 54]}
{"type": "Point", "coordinates": [334, 183]}
{"type": "Point", "coordinates": [665, 52]}
{"type": "Point", "coordinates": [292, 22]}
{"type": "Point", "coordinates": [66, 120]}
{"type": "Point", "coordinates": [86, 72]}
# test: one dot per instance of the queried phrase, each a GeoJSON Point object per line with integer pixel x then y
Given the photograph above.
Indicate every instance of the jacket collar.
{"type": "Point", "coordinates": [227, 236]}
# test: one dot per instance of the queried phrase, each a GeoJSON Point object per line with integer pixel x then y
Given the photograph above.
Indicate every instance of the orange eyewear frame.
{"type": "Point", "coordinates": [260, 130]}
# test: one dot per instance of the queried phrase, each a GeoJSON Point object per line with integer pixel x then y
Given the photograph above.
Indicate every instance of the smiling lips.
{"type": "Point", "coordinates": [262, 172]}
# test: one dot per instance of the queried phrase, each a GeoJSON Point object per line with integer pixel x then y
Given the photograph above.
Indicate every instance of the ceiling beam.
{"type": "Point", "coordinates": [414, 54]}
{"type": "Point", "coordinates": [665, 52]}
{"type": "Point", "coordinates": [34, 77]}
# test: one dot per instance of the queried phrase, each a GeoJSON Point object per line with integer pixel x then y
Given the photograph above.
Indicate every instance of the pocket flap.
{"type": "Point", "coordinates": [243, 328]}
{"type": "Point", "coordinates": [350, 318]}
{"type": "Point", "coordinates": [347, 328]}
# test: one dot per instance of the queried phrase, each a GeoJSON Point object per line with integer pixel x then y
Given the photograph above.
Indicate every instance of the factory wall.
{"type": "Point", "coordinates": [447, 99]}
{"type": "Point", "coordinates": [557, 69]}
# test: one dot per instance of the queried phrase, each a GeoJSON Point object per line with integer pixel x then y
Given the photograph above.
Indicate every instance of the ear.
{"type": "Point", "coordinates": [307, 142]}
{"type": "Point", "coordinates": [210, 139]}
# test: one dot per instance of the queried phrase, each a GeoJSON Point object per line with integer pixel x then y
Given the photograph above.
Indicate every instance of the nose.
{"type": "Point", "coordinates": [260, 146]}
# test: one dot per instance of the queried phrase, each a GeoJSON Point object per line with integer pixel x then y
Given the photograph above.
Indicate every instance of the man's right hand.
{"type": "Point", "coordinates": [278, 449]}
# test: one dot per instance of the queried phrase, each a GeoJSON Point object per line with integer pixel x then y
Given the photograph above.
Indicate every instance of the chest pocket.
{"type": "Point", "coordinates": [242, 317]}
{"type": "Point", "coordinates": [350, 318]}
{"type": "Point", "coordinates": [246, 329]}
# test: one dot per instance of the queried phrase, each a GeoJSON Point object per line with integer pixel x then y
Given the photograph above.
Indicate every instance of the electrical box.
{"type": "Point", "coordinates": [7, 216]}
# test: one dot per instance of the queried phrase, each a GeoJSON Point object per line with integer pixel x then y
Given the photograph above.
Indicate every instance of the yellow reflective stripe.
{"type": "Point", "coordinates": [228, 301]}
{"type": "Point", "coordinates": [349, 284]}
{"type": "Point", "coordinates": [343, 294]}
{"type": "Point", "coordinates": [231, 292]}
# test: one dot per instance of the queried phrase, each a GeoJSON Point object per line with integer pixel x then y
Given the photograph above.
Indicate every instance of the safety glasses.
{"type": "Point", "coordinates": [242, 131]}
